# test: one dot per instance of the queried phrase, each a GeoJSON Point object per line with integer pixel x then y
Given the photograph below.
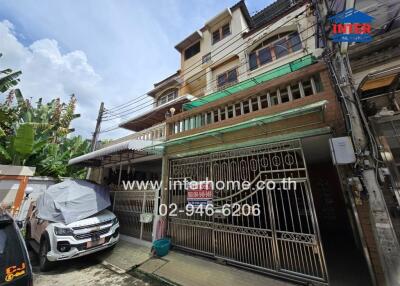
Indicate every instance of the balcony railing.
{"type": "Point", "coordinates": [156, 132]}
{"type": "Point", "coordinates": [233, 107]}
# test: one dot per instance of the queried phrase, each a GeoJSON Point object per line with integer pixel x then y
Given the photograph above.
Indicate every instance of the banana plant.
{"type": "Point", "coordinates": [54, 158]}
{"type": "Point", "coordinates": [8, 79]}
{"type": "Point", "coordinates": [35, 134]}
{"type": "Point", "coordinates": [21, 145]}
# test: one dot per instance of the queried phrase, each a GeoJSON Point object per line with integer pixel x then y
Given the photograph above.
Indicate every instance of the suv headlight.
{"type": "Point", "coordinates": [63, 231]}
{"type": "Point", "coordinates": [115, 221]}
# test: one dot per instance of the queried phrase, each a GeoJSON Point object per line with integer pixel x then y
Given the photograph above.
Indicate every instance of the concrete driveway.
{"type": "Point", "coordinates": [86, 270]}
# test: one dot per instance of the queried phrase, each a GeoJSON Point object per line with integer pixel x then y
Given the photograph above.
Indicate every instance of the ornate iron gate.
{"type": "Point", "coordinates": [282, 239]}
{"type": "Point", "coordinates": [130, 207]}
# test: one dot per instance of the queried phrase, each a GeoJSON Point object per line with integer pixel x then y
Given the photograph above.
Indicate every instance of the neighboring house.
{"type": "Point", "coordinates": [252, 101]}
{"type": "Point", "coordinates": [13, 184]}
{"type": "Point", "coordinates": [376, 74]}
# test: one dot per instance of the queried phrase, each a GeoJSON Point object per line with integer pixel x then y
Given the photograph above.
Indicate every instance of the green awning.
{"type": "Point", "coordinates": [274, 73]}
{"type": "Point", "coordinates": [310, 108]}
{"type": "Point", "coordinates": [258, 141]}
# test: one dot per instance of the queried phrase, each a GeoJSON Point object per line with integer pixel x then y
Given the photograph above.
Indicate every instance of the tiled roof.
{"type": "Point", "coordinates": [271, 12]}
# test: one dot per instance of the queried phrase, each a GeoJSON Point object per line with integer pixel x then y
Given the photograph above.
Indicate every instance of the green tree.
{"type": "Point", "coordinates": [8, 78]}
{"type": "Point", "coordinates": [38, 134]}
{"type": "Point", "coordinates": [54, 158]}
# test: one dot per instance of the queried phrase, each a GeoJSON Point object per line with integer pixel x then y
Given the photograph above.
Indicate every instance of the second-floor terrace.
{"type": "Point", "coordinates": [293, 85]}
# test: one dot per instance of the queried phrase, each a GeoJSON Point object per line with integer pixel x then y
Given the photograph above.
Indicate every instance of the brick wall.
{"type": "Point", "coordinates": [332, 113]}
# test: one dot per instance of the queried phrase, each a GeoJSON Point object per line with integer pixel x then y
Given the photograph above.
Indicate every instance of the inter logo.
{"type": "Point", "coordinates": [351, 26]}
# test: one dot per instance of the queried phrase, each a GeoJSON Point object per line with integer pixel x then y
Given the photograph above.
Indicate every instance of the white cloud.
{"type": "Point", "coordinates": [48, 73]}
{"type": "Point", "coordinates": [128, 46]}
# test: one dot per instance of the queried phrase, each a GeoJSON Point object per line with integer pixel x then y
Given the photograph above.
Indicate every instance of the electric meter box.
{"type": "Point", "coordinates": [342, 150]}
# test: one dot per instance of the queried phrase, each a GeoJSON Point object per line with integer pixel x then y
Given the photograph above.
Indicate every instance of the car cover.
{"type": "Point", "coordinates": [72, 200]}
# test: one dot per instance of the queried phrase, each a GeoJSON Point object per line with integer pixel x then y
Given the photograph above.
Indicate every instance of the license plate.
{"type": "Point", "coordinates": [94, 243]}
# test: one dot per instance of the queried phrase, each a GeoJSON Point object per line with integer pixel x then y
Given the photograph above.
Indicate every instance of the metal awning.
{"type": "Point", "coordinates": [306, 109]}
{"type": "Point", "coordinates": [378, 80]}
{"type": "Point", "coordinates": [251, 82]}
{"type": "Point", "coordinates": [117, 153]}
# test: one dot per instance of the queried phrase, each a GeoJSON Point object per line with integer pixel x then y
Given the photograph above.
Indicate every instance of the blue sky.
{"type": "Point", "coordinates": [101, 50]}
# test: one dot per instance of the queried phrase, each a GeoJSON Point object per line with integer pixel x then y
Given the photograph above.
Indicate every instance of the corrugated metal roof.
{"type": "Point", "coordinates": [271, 12]}
{"type": "Point", "coordinates": [138, 145]}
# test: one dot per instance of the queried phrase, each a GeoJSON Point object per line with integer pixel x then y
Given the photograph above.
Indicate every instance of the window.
{"type": "Point", "coordinates": [284, 95]}
{"type": "Point", "coordinates": [230, 111]}
{"type": "Point", "coordinates": [295, 42]}
{"type": "Point", "coordinates": [216, 119]}
{"type": "Point", "coordinates": [192, 50]}
{"type": "Point", "coordinates": [254, 103]}
{"type": "Point", "coordinates": [281, 48]}
{"type": "Point", "coordinates": [246, 108]}
{"type": "Point", "coordinates": [264, 56]}
{"type": "Point", "coordinates": [274, 98]}
{"type": "Point", "coordinates": [226, 78]}
{"type": "Point", "coordinates": [209, 117]}
{"type": "Point", "coordinates": [222, 112]}
{"type": "Point", "coordinates": [167, 96]}
{"type": "Point", "coordinates": [226, 31]}
{"type": "Point", "coordinates": [307, 87]}
{"type": "Point", "coordinates": [206, 58]}
{"type": "Point", "coordinates": [238, 109]}
{"type": "Point", "coordinates": [274, 48]}
{"type": "Point", "coordinates": [221, 33]}
{"type": "Point", "coordinates": [264, 100]}
{"type": "Point", "coordinates": [294, 88]}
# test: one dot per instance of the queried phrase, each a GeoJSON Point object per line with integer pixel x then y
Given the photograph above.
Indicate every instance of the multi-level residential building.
{"type": "Point", "coordinates": [252, 102]}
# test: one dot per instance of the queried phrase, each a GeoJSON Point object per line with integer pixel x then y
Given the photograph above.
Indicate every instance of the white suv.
{"type": "Point", "coordinates": [55, 241]}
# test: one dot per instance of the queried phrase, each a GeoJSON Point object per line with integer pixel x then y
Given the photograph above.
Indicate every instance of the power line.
{"type": "Point", "coordinates": [245, 63]}
{"type": "Point", "coordinates": [243, 72]}
{"type": "Point", "coordinates": [124, 113]}
{"type": "Point", "coordinates": [199, 62]}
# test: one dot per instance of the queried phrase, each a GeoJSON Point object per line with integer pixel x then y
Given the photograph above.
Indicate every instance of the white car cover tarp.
{"type": "Point", "coordinates": [72, 200]}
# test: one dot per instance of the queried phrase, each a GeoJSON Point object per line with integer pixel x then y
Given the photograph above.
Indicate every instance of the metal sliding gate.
{"type": "Point", "coordinates": [281, 238]}
{"type": "Point", "coordinates": [135, 211]}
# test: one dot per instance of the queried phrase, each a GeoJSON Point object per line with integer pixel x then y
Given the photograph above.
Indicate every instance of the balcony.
{"type": "Point", "coordinates": [154, 133]}
{"type": "Point", "coordinates": [295, 89]}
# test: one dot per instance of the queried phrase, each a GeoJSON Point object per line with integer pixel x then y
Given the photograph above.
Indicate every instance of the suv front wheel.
{"type": "Point", "coordinates": [45, 264]}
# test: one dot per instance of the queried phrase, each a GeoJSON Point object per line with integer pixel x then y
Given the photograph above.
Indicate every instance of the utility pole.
{"type": "Point", "coordinates": [97, 129]}
{"type": "Point", "coordinates": [366, 149]}
{"type": "Point", "coordinates": [96, 135]}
